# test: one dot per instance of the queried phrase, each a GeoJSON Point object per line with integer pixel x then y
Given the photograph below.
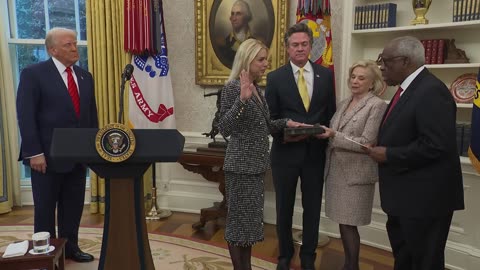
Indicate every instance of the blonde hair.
{"type": "Point", "coordinates": [247, 51]}
{"type": "Point", "coordinates": [51, 40]}
{"type": "Point", "coordinates": [375, 74]}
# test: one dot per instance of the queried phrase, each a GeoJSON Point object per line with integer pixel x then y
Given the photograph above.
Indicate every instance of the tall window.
{"type": "Point", "coordinates": [29, 22]}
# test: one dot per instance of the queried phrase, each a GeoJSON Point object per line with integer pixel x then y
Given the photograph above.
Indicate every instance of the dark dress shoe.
{"type": "Point", "coordinates": [283, 264]}
{"type": "Point", "coordinates": [80, 256]}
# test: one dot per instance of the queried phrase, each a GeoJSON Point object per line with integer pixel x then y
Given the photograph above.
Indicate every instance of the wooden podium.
{"type": "Point", "coordinates": [125, 243]}
{"type": "Point", "coordinates": [208, 162]}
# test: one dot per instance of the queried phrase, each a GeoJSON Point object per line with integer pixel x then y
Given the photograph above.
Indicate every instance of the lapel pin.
{"type": "Point", "coordinates": [316, 75]}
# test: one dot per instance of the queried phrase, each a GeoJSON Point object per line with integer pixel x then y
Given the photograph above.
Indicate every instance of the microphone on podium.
{"type": "Point", "coordinates": [126, 75]}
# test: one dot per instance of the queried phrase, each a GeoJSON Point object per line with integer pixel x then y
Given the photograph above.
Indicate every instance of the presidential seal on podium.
{"type": "Point", "coordinates": [115, 142]}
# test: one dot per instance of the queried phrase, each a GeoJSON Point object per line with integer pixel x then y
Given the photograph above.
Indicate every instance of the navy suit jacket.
{"type": "Point", "coordinates": [284, 101]}
{"type": "Point", "coordinates": [43, 104]}
{"type": "Point", "coordinates": [422, 175]}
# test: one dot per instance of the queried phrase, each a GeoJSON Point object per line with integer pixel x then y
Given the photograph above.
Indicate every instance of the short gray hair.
{"type": "Point", "coordinates": [50, 39]}
{"type": "Point", "coordinates": [410, 47]}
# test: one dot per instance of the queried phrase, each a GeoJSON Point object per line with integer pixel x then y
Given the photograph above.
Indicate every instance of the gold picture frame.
{"type": "Point", "coordinates": [268, 23]}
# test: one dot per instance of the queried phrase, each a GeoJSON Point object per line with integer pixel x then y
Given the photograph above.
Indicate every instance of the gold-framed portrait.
{"type": "Point", "coordinates": [221, 26]}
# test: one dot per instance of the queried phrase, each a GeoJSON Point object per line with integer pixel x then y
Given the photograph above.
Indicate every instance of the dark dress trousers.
{"type": "Point", "coordinates": [421, 181]}
{"type": "Point", "coordinates": [304, 159]}
{"type": "Point", "coordinates": [43, 104]}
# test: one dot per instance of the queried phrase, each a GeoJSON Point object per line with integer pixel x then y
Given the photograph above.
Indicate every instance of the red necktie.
{"type": "Point", "coordinates": [73, 91]}
{"type": "Point", "coordinates": [393, 103]}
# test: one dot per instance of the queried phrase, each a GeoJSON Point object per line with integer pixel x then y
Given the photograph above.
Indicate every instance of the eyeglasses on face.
{"type": "Point", "coordinates": [387, 61]}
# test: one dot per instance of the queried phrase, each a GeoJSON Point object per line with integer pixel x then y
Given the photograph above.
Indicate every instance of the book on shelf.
{"type": "Point", "coordinates": [473, 7]}
{"type": "Point", "coordinates": [461, 4]}
{"type": "Point", "coordinates": [477, 10]}
{"type": "Point", "coordinates": [455, 11]}
{"type": "Point", "coordinates": [370, 17]}
{"type": "Point", "coordinates": [356, 17]}
{"type": "Point", "coordinates": [428, 51]}
{"type": "Point", "coordinates": [365, 17]}
{"type": "Point", "coordinates": [435, 50]}
{"type": "Point", "coordinates": [391, 9]}
{"type": "Point", "coordinates": [362, 17]}
{"type": "Point", "coordinates": [471, 10]}
{"type": "Point", "coordinates": [433, 57]}
{"type": "Point", "coordinates": [375, 16]}
{"type": "Point", "coordinates": [441, 51]}
{"type": "Point", "coordinates": [465, 10]}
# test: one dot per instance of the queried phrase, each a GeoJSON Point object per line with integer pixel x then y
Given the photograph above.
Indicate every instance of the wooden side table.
{"type": "Point", "coordinates": [42, 261]}
{"type": "Point", "coordinates": [209, 163]}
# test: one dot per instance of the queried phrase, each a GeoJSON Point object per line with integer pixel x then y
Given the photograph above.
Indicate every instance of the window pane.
{"type": "Point", "coordinates": [30, 19]}
{"type": "Point", "coordinates": [28, 54]}
{"type": "Point", "coordinates": [26, 172]}
{"type": "Point", "coordinates": [61, 13]}
{"type": "Point", "coordinates": [83, 61]}
{"type": "Point", "coordinates": [83, 19]}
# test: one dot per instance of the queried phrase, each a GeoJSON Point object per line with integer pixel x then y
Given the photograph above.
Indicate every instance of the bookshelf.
{"type": "Point", "coordinates": [463, 248]}
{"type": "Point", "coordinates": [426, 27]}
{"type": "Point", "coordinates": [368, 43]}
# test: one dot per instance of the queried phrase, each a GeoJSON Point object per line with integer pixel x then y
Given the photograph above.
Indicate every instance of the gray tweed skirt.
{"type": "Point", "coordinates": [245, 198]}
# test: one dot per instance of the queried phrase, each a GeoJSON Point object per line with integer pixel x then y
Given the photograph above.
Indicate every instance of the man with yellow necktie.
{"type": "Point", "coordinates": [304, 92]}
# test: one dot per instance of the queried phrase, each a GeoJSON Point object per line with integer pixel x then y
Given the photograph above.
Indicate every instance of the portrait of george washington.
{"type": "Point", "coordinates": [233, 21]}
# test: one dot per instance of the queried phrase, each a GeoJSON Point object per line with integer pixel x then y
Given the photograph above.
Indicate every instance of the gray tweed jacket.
{"type": "Point", "coordinates": [248, 126]}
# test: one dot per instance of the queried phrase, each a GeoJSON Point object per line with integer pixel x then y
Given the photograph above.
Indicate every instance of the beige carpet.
{"type": "Point", "coordinates": [168, 252]}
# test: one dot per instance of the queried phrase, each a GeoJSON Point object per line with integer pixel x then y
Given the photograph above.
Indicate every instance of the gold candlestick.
{"type": "Point", "coordinates": [155, 213]}
{"type": "Point", "coordinates": [420, 7]}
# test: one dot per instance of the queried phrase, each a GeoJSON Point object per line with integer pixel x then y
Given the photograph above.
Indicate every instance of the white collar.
{"type": "Point", "coordinates": [410, 78]}
{"type": "Point", "coordinates": [308, 67]}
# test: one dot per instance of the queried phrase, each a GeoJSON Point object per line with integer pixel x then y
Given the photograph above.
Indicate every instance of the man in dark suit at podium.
{"type": "Point", "coordinates": [420, 178]}
{"type": "Point", "coordinates": [56, 94]}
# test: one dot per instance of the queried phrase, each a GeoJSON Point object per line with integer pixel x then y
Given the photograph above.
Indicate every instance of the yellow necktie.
{"type": "Point", "coordinates": [302, 88]}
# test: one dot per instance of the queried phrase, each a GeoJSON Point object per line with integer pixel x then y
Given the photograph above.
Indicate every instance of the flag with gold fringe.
{"type": "Point", "coordinates": [316, 14]}
{"type": "Point", "coordinates": [151, 94]}
{"type": "Point", "coordinates": [474, 149]}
